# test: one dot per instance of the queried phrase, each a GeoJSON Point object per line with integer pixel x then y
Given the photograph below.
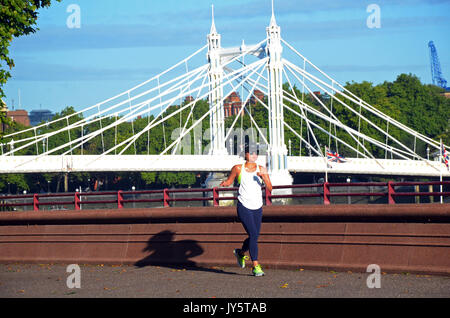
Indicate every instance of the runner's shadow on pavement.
{"type": "Point", "coordinates": [174, 254]}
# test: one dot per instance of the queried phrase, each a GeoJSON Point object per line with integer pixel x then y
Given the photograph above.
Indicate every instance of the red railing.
{"type": "Point", "coordinates": [323, 190]}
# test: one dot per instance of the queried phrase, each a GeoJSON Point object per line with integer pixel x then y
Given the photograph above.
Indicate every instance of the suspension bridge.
{"type": "Point", "coordinates": [246, 68]}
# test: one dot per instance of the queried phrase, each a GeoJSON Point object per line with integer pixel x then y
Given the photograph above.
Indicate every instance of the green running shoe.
{"type": "Point", "coordinates": [240, 259]}
{"type": "Point", "coordinates": [257, 271]}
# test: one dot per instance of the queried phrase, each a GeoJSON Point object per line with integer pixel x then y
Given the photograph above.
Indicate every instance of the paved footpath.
{"type": "Point", "coordinates": [122, 281]}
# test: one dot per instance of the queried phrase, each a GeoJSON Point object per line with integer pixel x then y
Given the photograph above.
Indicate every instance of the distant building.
{"type": "Point", "coordinates": [257, 97]}
{"type": "Point", "coordinates": [40, 115]}
{"type": "Point", "coordinates": [188, 99]}
{"type": "Point", "coordinates": [19, 116]}
{"type": "Point", "coordinates": [232, 105]}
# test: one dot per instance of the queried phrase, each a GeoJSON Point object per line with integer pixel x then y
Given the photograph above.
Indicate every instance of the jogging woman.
{"type": "Point", "coordinates": [249, 206]}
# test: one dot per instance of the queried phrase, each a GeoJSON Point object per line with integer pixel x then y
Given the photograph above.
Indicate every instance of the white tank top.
{"type": "Point", "coordinates": [250, 193]}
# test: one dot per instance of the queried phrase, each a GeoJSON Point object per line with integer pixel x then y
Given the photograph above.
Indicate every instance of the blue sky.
{"type": "Point", "coordinates": [123, 43]}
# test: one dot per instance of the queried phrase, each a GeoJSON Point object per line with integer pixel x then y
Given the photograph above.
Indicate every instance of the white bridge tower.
{"type": "Point", "coordinates": [277, 150]}
{"type": "Point", "coordinates": [217, 121]}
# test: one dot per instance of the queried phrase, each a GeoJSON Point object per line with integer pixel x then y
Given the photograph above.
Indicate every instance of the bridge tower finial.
{"type": "Point", "coordinates": [213, 25]}
{"type": "Point", "coordinates": [273, 13]}
{"type": "Point", "coordinates": [273, 21]}
{"type": "Point", "coordinates": [217, 120]}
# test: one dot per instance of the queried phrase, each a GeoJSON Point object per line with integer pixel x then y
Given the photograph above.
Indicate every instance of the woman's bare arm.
{"type": "Point", "coordinates": [234, 173]}
{"type": "Point", "coordinates": [265, 176]}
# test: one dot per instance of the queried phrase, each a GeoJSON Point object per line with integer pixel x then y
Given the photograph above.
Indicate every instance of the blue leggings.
{"type": "Point", "coordinates": [251, 220]}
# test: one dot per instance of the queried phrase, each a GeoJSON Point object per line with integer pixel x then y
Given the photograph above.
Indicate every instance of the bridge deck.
{"type": "Point", "coordinates": [90, 163]}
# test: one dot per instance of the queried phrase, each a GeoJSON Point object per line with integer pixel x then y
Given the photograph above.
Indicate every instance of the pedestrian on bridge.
{"type": "Point", "coordinates": [251, 177]}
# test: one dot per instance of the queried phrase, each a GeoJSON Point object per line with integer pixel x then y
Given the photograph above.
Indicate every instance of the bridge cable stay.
{"type": "Point", "coordinates": [243, 69]}
{"type": "Point", "coordinates": [250, 107]}
{"type": "Point", "coordinates": [247, 110]}
{"type": "Point", "coordinates": [111, 98]}
{"type": "Point", "coordinates": [95, 133]}
{"type": "Point", "coordinates": [307, 142]}
{"type": "Point", "coordinates": [356, 113]}
{"type": "Point", "coordinates": [204, 115]}
{"type": "Point", "coordinates": [68, 132]}
{"type": "Point", "coordinates": [148, 132]}
{"type": "Point", "coordinates": [359, 122]}
{"type": "Point", "coordinates": [390, 148]}
{"type": "Point", "coordinates": [95, 117]}
{"type": "Point", "coordinates": [101, 128]}
{"type": "Point", "coordinates": [137, 135]}
{"type": "Point", "coordinates": [365, 104]}
{"type": "Point", "coordinates": [86, 119]}
{"type": "Point", "coordinates": [152, 124]}
{"type": "Point", "coordinates": [240, 111]}
{"type": "Point", "coordinates": [303, 114]}
{"type": "Point", "coordinates": [132, 121]}
{"type": "Point", "coordinates": [174, 113]}
{"type": "Point", "coordinates": [331, 110]}
{"type": "Point", "coordinates": [330, 114]}
{"type": "Point", "coordinates": [312, 123]}
{"type": "Point", "coordinates": [115, 131]}
{"type": "Point", "coordinates": [387, 140]}
{"type": "Point", "coordinates": [250, 91]}
{"type": "Point", "coordinates": [149, 108]}
{"type": "Point", "coordinates": [126, 117]}
{"type": "Point", "coordinates": [210, 111]}
{"type": "Point", "coordinates": [344, 127]}
{"type": "Point", "coordinates": [35, 137]}
{"type": "Point", "coordinates": [387, 135]}
{"type": "Point", "coordinates": [303, 98]}
{"type": "Point", "coordinates": [161, 115]}
{"type": "Point", "coordinates": [198, 121]}
{"type": "Point", "coordinates": [47, 135]}
{"type": "Point", "coordinates": [156, 118]}
{"type": "Point", "coordinates": [191, 113]}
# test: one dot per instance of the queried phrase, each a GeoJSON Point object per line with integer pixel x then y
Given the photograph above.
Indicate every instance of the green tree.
{"type": "Point", "coordinates": [15, 183]}
{"type": "Point", "coordinates": [148, 177]}
{"type": "Point", "coordinates": [176, 178]}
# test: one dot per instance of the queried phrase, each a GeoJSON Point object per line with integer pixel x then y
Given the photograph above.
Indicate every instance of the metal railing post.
{"type": "Point", "coordinates": [35, 202]}
{"type": "Point", "coordinates": [215, 197]}
{"type": "Point", "coordinates": [391, 192]}
{"type": "Point", "coordinates": [166, 198]}
{"type": "Point", "coordinates": [326, 193]}
{"type": "Point", "coordinates": [77, 201]}
{"type": "Point", "coordinates": [119, 199]}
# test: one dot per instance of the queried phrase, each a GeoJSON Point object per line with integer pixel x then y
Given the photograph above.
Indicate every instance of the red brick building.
{"type": "Point", "coordinates": [232, 105]}
{"type": "Point", "coordinates": [188, 99]}
{"type": "Point", "coordinates": [256, 97]}
{"type": "Point", "coordinates": [19, 116]}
